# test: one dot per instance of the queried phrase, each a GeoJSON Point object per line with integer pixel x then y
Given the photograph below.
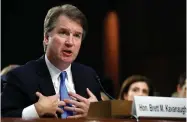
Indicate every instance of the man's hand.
{"type": "Point", "coordinates": [80, 108]}
{"type": "Point", "coordinates": [48, 105]}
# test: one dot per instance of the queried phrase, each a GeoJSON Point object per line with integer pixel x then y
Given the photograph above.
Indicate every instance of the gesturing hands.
{"type": "Point", "coordinates": [48, 105]}
{"type": "Point", "coordinates": [81, 106]}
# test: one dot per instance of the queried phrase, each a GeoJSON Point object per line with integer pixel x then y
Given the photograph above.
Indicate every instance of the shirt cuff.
{"type": "Point", "coordinates": [30, 113]}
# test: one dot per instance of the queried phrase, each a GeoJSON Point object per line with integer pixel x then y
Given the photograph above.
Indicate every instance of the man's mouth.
{"type": "Point", "coordinates": [67, 52]}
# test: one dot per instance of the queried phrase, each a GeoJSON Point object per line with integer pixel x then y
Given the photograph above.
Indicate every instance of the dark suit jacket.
{"type": "Point", "coordinates": [24, 81]}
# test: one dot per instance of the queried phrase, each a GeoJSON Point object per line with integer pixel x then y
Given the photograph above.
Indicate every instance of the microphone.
{"type": "Point", "coordinates": [99, 82]}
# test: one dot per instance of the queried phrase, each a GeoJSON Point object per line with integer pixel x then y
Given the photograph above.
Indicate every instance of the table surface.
{"type": "Point", "coordinates": [93, 120]}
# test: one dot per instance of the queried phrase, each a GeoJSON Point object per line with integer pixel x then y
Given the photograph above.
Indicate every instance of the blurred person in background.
{"type": "Point", "coordinates": [4, 72]}
{"type": "Point", "coordinates": [181, 87]}
{"type": "Point", "coordinates": [135, 85]}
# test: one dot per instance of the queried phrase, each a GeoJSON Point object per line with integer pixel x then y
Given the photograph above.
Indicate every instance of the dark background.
{"type": "Point", "coordinates": [152, 36]}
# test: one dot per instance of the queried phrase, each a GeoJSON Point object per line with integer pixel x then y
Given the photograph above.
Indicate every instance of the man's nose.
{"type": "Point", "coordinates": [69, 40]}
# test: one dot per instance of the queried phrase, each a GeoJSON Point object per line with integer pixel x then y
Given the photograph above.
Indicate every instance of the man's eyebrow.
{"type": "Point", "coordinates": [77, 32]}
{"type": "Point", "coordinates": [65, 28]}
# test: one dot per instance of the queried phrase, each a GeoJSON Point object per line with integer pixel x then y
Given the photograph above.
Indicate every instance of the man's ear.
{"type": "Point", "coordinates": [45, 41]}
{"type": "Point", "coordinates": [46, 38]}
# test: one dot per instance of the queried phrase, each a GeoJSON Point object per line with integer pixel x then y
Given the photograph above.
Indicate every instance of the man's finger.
{"type": "Point", "coordinates": [54, 97]}
{"type": "Point", "coordinates": [75, 116]}
{"type": "Point", "coordinates": [73, 98]}
{"type": "Point", "coordinates": [56, 115]}
{"type": "Point", "coordinates": [61, 103]}
{"type": "Point", "coordinates": [57, 95]}
{"type": "Point", "coordinates": [90, 93]}
{"type": "Point", "coordinates": [78, 97]}
{"type": "Point", "coordinates": [73, 102]}
{"type": "Point", "coordinates": [92, 97]}
{"type": "Point", "coordinates": [59, 110]}
{"type": "Point", "coordinates": [39, 94]}
{"type": "Point", "coordinates": [73, 109]}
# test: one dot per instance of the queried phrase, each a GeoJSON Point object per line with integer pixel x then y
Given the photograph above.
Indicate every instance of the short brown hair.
{"type": "Point", "coordinates": [132, 79]}
{"type": "Point", "coordinates": [68, 10]}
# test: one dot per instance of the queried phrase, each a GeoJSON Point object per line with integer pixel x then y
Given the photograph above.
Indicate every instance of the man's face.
{"type": "Point", "coordinates": [64, 41]}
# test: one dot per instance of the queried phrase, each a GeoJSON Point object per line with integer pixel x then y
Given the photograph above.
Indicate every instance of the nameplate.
{"type": "Point", "coordinates": [159, 107]}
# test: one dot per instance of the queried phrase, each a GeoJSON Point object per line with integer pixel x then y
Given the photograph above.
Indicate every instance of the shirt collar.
{"type": "Point", "coordinates": [54, 71]}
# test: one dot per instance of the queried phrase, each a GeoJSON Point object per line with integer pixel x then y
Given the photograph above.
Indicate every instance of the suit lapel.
{"type": "Point", "coordinates": [45, 81]}
{"type": "Point", "coordinates": [78, 81]}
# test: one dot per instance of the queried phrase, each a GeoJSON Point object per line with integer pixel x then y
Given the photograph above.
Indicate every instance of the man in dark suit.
{"type": "Point", "coordinates": [53, 85]}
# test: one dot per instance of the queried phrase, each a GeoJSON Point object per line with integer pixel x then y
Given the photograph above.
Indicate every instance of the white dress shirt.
{"type": "Point", "coordinates": [30, 111]}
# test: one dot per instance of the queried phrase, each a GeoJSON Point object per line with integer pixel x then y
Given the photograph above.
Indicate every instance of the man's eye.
{"type": "Point", "coordinates": [63, 32]}
{"type": "Point", "coordinates": [77, 35]}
